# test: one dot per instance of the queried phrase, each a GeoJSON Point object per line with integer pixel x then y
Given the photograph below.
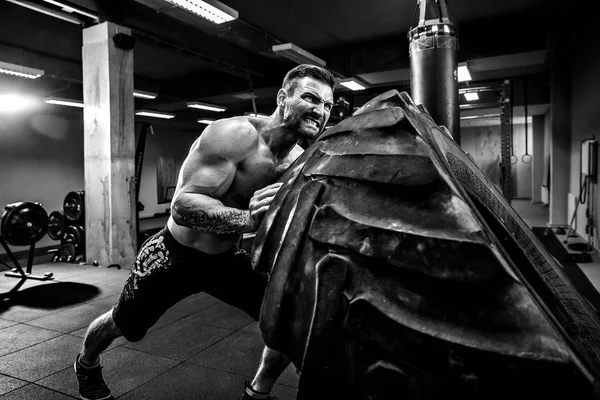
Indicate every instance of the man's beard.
{"type": "Point", "coordinates": [301, 127]}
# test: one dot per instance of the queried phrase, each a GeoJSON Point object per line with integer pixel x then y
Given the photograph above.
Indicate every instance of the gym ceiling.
{"type": "Point", "coordinates": [183, 57]}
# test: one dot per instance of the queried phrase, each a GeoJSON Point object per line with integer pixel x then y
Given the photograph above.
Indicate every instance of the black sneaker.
{"type": "Point", "coordinates": [246, 396]}
{"type": "Point", "coordinates": [91, 384]}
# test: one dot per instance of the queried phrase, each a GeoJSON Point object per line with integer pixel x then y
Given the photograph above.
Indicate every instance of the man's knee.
{"type": "Point", "coordinates": [130, 329]}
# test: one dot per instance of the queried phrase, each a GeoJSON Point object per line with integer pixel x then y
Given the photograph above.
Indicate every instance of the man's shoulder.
{"type": "Point", "coordinates": [232, 126]}
{"type": "Point", "coordinates": [229, 137]}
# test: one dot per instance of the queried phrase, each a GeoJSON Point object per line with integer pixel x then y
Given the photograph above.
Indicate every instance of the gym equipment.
{"type": "Point", "coordinates": [65, 253]}
{"type": "Point", "coordinates": [74, 207]}
{"type": "Point", "coordinates": [526, 157]}
{"type": "Point", "coordinates": [75, 235]}
{"type": "Point", "coordinates": [56, 225]}
{"type": "Point", "coordinates": [506, 139]}
{"type": "Point", "coordinates": [145, 129]}
{"type": "Point", "coordinates": [433, 45]}
{"type": "Point", "coordinates": [23, 224]}
{"type": "Point", "coordinates": [397, 269]}
{"type": "Point", "coordinates": [588, 170]}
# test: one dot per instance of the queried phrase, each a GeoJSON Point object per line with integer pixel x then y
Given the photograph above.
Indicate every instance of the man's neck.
{"type": "Point", "coordinates": [279, 138]}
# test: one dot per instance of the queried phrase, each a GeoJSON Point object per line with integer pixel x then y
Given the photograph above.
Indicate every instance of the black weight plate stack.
{"type": "Point", "coordinates": [23, 223]}
{"type": "Point", "coordinates": [74, 207]}
{"type": "Point", "coordinates": [66, 253]}
{"type": "Point", "coordinates": [56, 225]}
{"type": "Point", "coordinates": [75, 235]}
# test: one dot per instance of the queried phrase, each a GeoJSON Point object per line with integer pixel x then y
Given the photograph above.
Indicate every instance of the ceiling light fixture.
{"type": "Point", "coordinates": [353, 84]}
{"type": "Point", "coordinates": [16, 102]}
{"type": "Point", "coordinates": [155, 114]}
{"type": "Point", "coordinates": [206, 121]}
{"type": "Point", "coordinates": [18, 70]}
{"type": "Point", "coordinates": [48, 11]}
{"type": "Point", "coordinates": [212, 10]}
{"type": "Point", "coordinates": [64, 102]}
{"type": "Point", "coordinates": [463, 73]}
{"type": "Point", "coordinates": [297, 55]}
{"type": "Point", "coordinates": [481, 116]}
{"type": "Point", "coordinates": [144, 95]}
{"type": "Point", "coordinates": [477, 89]}
{"type": "Point", "coordinates": [206, 106]}
{"type": "Point", "coordinates": [70, 9]}
{"type": "Point", "coordinates": [471, 96]}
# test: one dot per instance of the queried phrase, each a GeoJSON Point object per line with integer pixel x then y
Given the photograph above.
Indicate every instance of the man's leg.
{"type": "Point", "coordinates": [237, 284]}
{"type": "Point", "coordinates": [272, 365]}
{"type": "Point", "coordinates": [100, 334]}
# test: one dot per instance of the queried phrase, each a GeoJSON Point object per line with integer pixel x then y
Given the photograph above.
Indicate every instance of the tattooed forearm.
{"type": "Point", "coordinates": [230, 221]}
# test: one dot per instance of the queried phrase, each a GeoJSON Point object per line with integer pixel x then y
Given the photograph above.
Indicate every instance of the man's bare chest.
{"type": "Point", "coordinates": [252, 175]}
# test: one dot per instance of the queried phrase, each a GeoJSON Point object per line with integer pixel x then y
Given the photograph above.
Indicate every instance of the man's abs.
{"type": "Point", "coordinates": [205, 242]}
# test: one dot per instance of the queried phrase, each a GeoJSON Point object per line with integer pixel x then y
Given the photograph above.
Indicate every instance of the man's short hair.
{"type": "Point", "coordinates": [290, 82]}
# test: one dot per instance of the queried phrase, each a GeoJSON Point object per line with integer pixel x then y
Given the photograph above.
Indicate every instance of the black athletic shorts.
{"type": "Point", "coordinates": [166, 272]}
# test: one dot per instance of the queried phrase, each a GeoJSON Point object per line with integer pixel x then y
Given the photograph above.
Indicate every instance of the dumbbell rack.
{"type": "Point", "coordinates": [67, 227]}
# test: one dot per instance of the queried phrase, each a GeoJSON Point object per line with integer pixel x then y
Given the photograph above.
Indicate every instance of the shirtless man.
{"type": "Point", "coordinates": [225, 187]}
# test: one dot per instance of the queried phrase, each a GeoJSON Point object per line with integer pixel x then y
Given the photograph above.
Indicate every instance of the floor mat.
{"type": "Point", "coordinates": [572, 270]}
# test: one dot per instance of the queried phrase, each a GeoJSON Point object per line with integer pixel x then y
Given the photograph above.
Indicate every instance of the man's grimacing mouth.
{"type": "Point", "coordinates": [312, 120]}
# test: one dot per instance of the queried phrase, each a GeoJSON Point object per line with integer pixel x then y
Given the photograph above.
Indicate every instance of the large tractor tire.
{"type": "Point", "coordinates": [398, 271]}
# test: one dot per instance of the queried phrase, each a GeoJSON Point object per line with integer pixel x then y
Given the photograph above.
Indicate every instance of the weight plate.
{"type": "Point", "coordinates": [65, 253]}
{"type": "Point", "coordinates": [23, 223]}
{"type": "Point", "coordinates": [74, 206]}
{"type": "Point", "coordinates": [56, 225]}
{"type": "Point", "coordinates": [74, 234]}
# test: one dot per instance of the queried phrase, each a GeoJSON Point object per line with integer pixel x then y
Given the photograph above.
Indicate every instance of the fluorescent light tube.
{"type": "Point", "coordinates": [212, 10]}
{"type": "Point", "coordinates": [353, 84]}
{"type": "Point", "coordinates": [48, 11]}
{"type": "Point", "coordinates": [296, 54]}
{"type": "Point", "coordinates": [69, 9]}
{"type": "Point", "coordinates": [63, 102]}
{"type": "Point", "coordinates": [155, 114]}
{"type": "Point", "coordinates": [206, 121]}
{"type": "Point", "coordinates": [471, 96]}
{"type": "Point", "coordinates": [15, 102]}
{"type": "Point", "coordinates": [205, 106]}
{"type": "Point", "coordinates": [18, 70]}
{"type": "Point", "coordinates": [143, 94]}
{"type": "Point", "coordinates": [463, 73]}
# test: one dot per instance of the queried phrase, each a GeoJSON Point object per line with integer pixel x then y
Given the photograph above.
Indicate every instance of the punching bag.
{"type": "Point", "coordinates": [433, 75]}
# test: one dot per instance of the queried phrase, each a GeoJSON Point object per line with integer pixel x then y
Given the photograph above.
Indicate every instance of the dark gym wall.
{"type": "Point", "coordinates": [41, 159]}
{"type": "Point", "coordinates": [547, 150]}
{"type": "Point", "coordinates": [584, 59]}
{"type": "Point", "coordinates": [483, 144]}
{"type": "Point", "coordinates": [164, 143]}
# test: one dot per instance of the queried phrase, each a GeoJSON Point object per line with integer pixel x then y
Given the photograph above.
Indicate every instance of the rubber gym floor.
{"type": "Point", "coordinates": [200, 349]}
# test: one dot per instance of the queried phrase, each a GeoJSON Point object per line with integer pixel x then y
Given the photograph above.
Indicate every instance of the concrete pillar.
{"type": "Point", "coordinates": [537, 164]}
{"type": "Point", "coordinates": [109, 147]}
{"type": "Point", "coordinates": [560, 151]}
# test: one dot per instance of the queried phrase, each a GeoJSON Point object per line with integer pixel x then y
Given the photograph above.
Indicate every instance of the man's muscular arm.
{"type": "Point", "coordinates": [207, 174]}
{"type": "Point", "coordinates": [219, 220]}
